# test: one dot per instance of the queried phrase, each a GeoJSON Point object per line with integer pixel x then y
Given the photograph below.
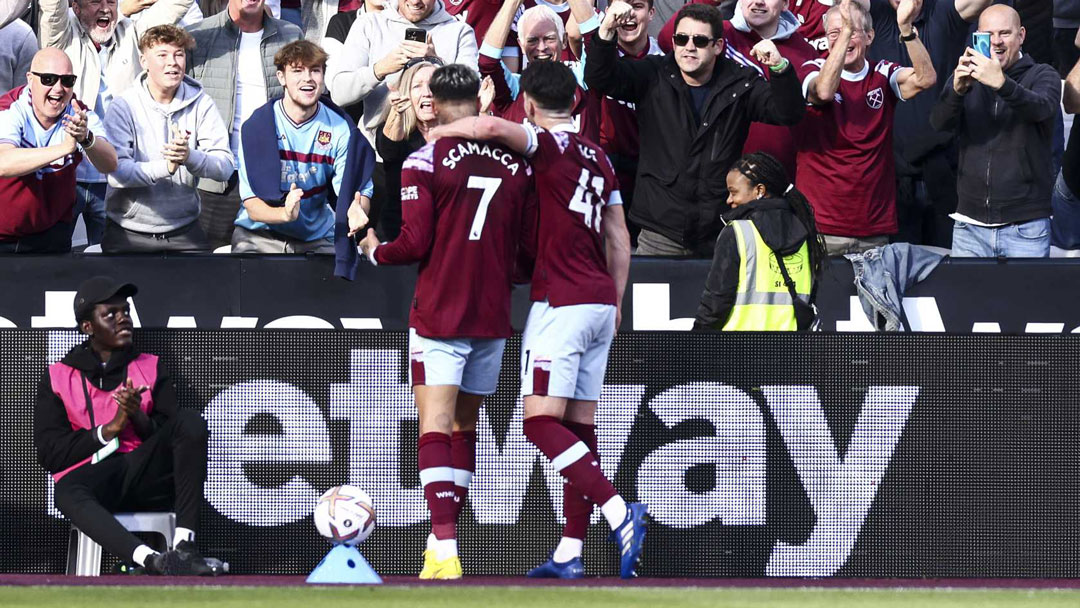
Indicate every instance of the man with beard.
{"type": "Point", "coordinates": [542, 37]}
{"type": "Point", "coordinates": [104, 51]}
{"type": "Point", "coordinates": [287, 206]}
{"type": "Point", "coordinates": [108, 429]}
{"type": "Point", "coordinates": [44, 134]}
{"type": "Point", "coordinates": [694, 109]}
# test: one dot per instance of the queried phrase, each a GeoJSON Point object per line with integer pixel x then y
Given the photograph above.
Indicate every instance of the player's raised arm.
{"type": "Point", "coordinates": [518, 137]}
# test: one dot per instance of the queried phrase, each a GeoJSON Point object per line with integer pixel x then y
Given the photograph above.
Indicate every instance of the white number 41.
{"type": "Point", "coordinates": [589, 198]}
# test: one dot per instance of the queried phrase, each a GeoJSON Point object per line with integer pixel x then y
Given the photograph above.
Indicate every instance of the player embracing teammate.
{"type": "Point", "coordinates": [466, 206]}
{"type": "Point", "coordinates": [582, 263]}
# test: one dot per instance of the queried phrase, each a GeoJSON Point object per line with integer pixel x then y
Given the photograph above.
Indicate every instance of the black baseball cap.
{"type": "Point", "coordinates": [96, 290]}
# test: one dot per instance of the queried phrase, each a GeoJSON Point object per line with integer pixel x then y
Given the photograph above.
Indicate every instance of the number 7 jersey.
{"type": "Point", "coordinates": [574, 181]}
{"type": "Point", "coordinates": [468, 213]}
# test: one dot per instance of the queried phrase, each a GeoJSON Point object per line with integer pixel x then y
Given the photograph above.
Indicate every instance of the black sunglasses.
{"type": "Point", "coordinates": [435, 61]}
{"type": "Point", "coordinates": [700, 41]}
{"type": "Point", "coordinates": [68, 80]}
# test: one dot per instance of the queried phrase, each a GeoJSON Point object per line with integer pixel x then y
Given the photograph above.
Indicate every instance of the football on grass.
{"type": "Point", "coordinates": [345, 515]}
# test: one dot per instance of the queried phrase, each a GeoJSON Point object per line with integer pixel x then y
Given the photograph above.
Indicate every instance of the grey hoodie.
{"type": "Point", "coordinates": [786, 25]}
{"type": "Point", "coordinates": [350, 75]}
{"type": "Point", "coordinates": [142, 196]}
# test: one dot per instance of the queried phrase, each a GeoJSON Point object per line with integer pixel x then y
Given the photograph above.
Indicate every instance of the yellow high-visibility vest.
{"type": "Point", "coordinates": [763, 302]}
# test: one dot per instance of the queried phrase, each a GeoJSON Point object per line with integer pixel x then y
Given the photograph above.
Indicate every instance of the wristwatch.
{"type": "Point", "coordinates": [89, 141]}
{"type": "Point", "coordinates": [912, 36]}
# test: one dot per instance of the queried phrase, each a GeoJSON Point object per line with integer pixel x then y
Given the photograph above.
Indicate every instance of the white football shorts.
{"type": "Point", "coordinates": [564, 350]}
{"type": "Point", "coordinates": [472, 364]}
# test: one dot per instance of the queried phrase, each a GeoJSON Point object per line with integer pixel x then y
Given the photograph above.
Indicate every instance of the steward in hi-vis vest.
{"type": "Point", "coordinates": [767, 258]}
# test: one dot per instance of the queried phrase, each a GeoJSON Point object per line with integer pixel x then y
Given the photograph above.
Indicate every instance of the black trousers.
{"type": "Point", "coordinates": [165, 473]}
{"type": "Point", "coordinates": [118, 239]}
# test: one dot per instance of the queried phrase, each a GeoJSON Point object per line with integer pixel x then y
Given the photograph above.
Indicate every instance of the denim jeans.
{"type": "Point", "coordinates": [1029, 239]}
{"type": "Point", "coordinates": [90, 202]}
{"type": "Point", "coordinates": [1065, 225]}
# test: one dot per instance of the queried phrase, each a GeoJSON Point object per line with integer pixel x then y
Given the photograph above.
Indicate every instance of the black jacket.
{"type": "Point", "coordinates": [781, 230]}
{"type": "Point", "coordinates": [58, 446]}
{"type": "Point", "coordinates": [681, 190]}
{"type": "Point", "coordinates": [1005, 143]}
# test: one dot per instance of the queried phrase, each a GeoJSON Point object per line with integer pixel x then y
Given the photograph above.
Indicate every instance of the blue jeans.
{"type": "Point", "coordinates": [1065, 225]}
{"type": "Point", "coordinates": [90, 202]}
{"type": "Point", "coordinates": [1029, 239]}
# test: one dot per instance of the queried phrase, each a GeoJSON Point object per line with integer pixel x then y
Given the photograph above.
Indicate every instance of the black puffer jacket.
{"type": "Point", "coordinates": [681, 188]}
{"type": "Point", "coordinates": [781, 230]}
{"type": "Point", "coordinates": [1005, 143]}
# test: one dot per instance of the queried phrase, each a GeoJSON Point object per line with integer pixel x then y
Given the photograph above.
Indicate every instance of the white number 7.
{"type": "Point", "coordinates": [588, 198]}
{"type": "Point", "coordinates": [489, 185]}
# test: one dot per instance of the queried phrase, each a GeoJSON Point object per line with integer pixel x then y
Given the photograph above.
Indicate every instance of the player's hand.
{"type": "Point", "coordinates": [906, 13]}
{"type": "Point", "coordinates": [766, 53]}
{"type": "Point", "coordinates": [357, 214]}
{"type": "Point", "coordinates": [487, 94]}
{"type": "Point", "coordinates": [985, 69]}
{"type": "Point", "coordinates": [291, 211]}
{"type": "Point", "coordinates": [618, 14]}
{"type": "Point", "coordinates": [369, 243]}
{"type": "Point", "coordinates": [75, 124]}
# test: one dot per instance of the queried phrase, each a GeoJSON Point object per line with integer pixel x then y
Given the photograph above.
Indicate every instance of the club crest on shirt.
{"type": "Point", "coordinates": [323, 139]}
{"type": "Point", "coordinates": [875, 98]}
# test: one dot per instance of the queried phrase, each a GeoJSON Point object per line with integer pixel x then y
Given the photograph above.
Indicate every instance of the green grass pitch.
{"type": "Point", "coordinates": [525, 597]}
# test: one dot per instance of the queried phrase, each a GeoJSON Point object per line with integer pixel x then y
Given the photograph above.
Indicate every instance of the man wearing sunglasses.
{"type": "Point", "coordinates": [694, 109]}
{"type": "Point", "coordinates": [44, 135]}
{"type": "Point", "coordinates": [103, 45]}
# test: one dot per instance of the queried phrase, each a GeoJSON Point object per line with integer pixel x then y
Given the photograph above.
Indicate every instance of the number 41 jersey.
{"type": "Point", "coordinates": [468, 213]}
{"type": "Point", "coordinates": [574, 181]}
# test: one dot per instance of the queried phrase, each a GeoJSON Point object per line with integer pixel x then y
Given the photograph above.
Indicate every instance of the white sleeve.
{"type": "Point", "coordinates": [615, 199]}
{"type": "Point", "coordinates": [11, 124]}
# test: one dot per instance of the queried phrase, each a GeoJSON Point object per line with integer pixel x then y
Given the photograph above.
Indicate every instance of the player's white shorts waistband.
{"type": "Point", "coordinates": [564, 350]}
{"type": "Point", "coordinates": [472, 364]}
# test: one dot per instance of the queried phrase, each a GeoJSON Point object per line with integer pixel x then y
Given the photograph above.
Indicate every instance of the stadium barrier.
{"type": "Point", "coordinates": [229, 292]}
{"type": "Point", "coordinates": [833, 454]}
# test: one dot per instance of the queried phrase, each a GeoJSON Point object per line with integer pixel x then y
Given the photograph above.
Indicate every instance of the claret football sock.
{"type": "Point", "coordinates": [437, 478]}
{"type": "Point", "coordinates": [570, 457]}
{"type": "Point", "coordinates": [463, 463]}
{"type": "Point", "coordinates": [576, 507]}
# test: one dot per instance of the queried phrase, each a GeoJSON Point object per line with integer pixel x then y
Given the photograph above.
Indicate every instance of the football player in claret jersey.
{"type": "Point", "coordinates": [583, 258]}
{"type": "Point", "coordinates": [466, 206]}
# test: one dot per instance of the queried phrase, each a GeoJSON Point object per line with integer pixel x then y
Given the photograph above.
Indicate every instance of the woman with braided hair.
{"type": "Point", "coordinates": [767, 258]}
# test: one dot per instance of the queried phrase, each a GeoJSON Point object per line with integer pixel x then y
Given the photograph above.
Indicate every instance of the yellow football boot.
{"type": "Point", "coordinates": [445, 570]}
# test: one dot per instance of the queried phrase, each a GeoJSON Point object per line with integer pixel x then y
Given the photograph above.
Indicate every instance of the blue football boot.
{"type": "Point", "coordinates": [630, 536]}
{"type": "Point", "coordinates": [553, 569]}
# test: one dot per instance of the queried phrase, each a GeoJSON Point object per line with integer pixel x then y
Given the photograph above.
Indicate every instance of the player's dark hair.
{"type": "Point", "coordinates": [454, 82]}
{"type": "Point", "coordinates": [550, 84]}
{"type": "Point", "coordinates": [762, 168]}
{"type": "Point", "coordinates": [704, 13]}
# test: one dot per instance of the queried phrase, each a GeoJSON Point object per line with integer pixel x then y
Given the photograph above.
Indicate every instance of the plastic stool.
{"type": "Point", "coordinates": [84, 555]}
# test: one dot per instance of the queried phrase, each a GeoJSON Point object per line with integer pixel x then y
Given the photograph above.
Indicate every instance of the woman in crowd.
{"type": "Point", "coordinates": [767, 258]}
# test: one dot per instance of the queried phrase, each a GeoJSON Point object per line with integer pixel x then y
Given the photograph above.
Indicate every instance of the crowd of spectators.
{"type": "Point", "coordinates": [132, 115]}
